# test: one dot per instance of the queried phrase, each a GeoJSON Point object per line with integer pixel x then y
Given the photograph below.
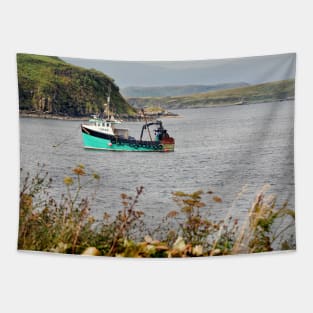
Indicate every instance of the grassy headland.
{"type": "Point", "coordinates": [267, 92]}
{"type": "Point", "coordinates": [48, 85]}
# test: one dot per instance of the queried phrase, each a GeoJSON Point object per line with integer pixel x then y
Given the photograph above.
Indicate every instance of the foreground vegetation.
{"type": "Point", "coordinates": [49, 85]}
{"type": "Point", "coordinates": [267, 92]}
{"type": "Point", "coordinates": [67, 226]}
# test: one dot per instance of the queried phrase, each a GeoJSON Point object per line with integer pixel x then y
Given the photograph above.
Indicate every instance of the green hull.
{"type": "Point", "coordinates": [92, 142]}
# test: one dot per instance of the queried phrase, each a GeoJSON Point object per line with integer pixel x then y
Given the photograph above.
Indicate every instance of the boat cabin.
{"type": "Point", "coordinates": [108, 127]}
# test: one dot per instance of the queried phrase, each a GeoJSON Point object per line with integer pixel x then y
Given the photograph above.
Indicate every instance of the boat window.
{"type": "Point", "coordinates": [108, 125]}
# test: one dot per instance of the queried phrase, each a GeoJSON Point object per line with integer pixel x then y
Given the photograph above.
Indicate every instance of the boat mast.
{"type": "Point", "coordinates": [143, 112]}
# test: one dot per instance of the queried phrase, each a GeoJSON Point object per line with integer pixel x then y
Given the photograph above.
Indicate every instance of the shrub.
{"type": "Point", "coordinates": [67, 226]}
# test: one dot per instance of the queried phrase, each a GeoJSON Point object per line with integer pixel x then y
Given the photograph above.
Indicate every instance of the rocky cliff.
{"type": "Point", "coordinates": [49, 85]}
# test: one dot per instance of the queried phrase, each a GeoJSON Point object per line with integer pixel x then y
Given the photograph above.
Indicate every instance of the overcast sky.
{"type": "Point", "coordinates": [252, 70]}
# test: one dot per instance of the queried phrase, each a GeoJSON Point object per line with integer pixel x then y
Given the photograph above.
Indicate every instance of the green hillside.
{"type": "Point", "coordinates": [49, 85]}
{"type": "Point", "coordinates": [172, 91]}
{"type": "Point", "coordinates": [267, 92]}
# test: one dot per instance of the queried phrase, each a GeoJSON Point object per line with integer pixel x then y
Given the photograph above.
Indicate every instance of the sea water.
{"type": "Point", "coordinates": [232, 151]}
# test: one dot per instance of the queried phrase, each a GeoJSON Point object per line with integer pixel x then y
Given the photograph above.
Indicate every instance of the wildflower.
{"type": "Point", "coordinates": [91, 219]}
{"type": "Point", "coordinates": [79, 171]}
{"type": "Point", "coordinates": [172, 214]}
{"type": "Point", "coordinates": [96, 176]}
{"type": "Point", "coordinates": [68, 180]}
{"type": "Point", "coordinates": [124, 196]}
{"type": "Point", "coordinates": [217, 199]}
{"type": "Point", "coordinates": [106, 216]}
{"type": "Point", "coordinates": [180, 194]}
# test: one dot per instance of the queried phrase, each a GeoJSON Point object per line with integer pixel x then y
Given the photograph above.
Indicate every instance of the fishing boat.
{"type": "Point", "coordinates": [103, 134]}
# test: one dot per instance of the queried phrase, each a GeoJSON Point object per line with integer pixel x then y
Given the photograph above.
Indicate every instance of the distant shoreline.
{"type": "Point", "coordinates": [52, 117]}
{"type": "Point", "coordinates": [87, 118]}
{"type": "Point", "coordinates": [222, 105]}
{"type": "Point", "coordinates": [140, 119]}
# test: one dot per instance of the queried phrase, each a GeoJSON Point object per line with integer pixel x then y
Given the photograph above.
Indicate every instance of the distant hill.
{"type": "Point", "coordinates": [166, 91]}
{"type": "Point", "coordinates": [253, 70]}
{"type": "Point", "coordinates": [273, 91]}
{"type": "Point", "coordinates": [49, 85]}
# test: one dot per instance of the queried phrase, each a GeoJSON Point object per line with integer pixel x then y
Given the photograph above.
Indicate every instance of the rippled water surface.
{"type": "Point", "coordinates": [222, 149]}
